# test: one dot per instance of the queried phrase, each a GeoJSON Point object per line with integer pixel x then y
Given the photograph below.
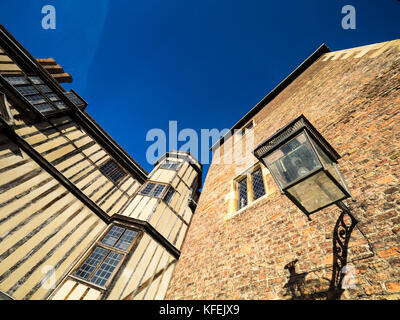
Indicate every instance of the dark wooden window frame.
{"type": "Point", "coordinates": [179, 164]}
{"type": "Point", "coordinates": [31, 106]}
{"type": "Point", "coordinates": [99, 243]}
{"type": "Point", "coordinates": [161, 195]}
{"type": "Point", "coordinates": [117, 167]}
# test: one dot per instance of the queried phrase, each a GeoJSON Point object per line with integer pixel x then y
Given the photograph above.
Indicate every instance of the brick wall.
{"type": "Point", "coordinates": [352, 98]}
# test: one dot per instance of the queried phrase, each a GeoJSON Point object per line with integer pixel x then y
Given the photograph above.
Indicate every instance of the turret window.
{"type": "Point", "coordinates": [168, 196]}
{"type": "Point", "coordinates": [173, 165]}
{"type": "Point", "coordinates": [154, 189]}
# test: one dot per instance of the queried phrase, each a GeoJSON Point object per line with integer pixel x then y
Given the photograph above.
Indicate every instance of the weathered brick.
{"type": "Point", "coordinates": [352, 103]}
{"type": "Point", "coordinates": [392, 286]}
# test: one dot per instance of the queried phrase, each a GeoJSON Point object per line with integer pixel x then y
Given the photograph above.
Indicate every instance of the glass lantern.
{"type": "Point", "coordinates": [303, 165]}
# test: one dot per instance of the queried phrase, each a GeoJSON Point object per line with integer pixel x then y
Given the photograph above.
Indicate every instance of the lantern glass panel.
{"type": "Point", "coordinates": [329, 165]}
{"type": "Point", "coordinates": [316, 192]}
{"type": "Point", "coordinates": [293, 160]}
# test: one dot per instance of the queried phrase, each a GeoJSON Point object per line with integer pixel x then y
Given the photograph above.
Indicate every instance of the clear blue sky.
{"type": "Point", "coordinates": [203, 63]}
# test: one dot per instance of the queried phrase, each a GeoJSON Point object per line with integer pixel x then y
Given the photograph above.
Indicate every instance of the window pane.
{"type": "Point", "coordinates": [258, 184]}
{"type": "Point", "coordinates": [24, 90]}
{"type": "Point", "coordinates": [106, 269]}
{"type": "Point", "coordinates": [117, 174]}
{"type": "Point", "coordinates": [44, 88]}
{"type": "Point", "coordinates": [175, 166]}
{"type": "Point", "coordinates": [111, 170]}
{"type": "Point", "coordinates": [44, 107]}
{"type": "Point", "coordinates": [293, 160]}
{"type": "Point", "coordinates": [17, 80]}
{"type": "Point", "coordinates": [169, 195]}
{"type": "Point", "coordinates": [316, 192]}
{"type": "Point", "coordinates": [242, 194]}
{"type": "Point", "coordinates": [112, 236]}
{"type": "Point", "coordinates": [158, 190]}
{"type": "Point", "coordinates": [36, 80]}
{"type": "Point", "coordinates": [35, 99]}
{"type": "Point", "coordinates": [74, 99]}
{"type": "Point", "coordinates": [60, 105]}
{"type": "Point", "coordinates": [148, 188]}
{"type": "Point", "coordinates": [91, 262]}
{"type": "Point", "coordinates": [53, 97]}
{"type": "Point", "coordinates": [170, 165]}
{"type": "Point", "coordinates": [126, 240]}
{"type": "Point", "coordinates": [108, 167]}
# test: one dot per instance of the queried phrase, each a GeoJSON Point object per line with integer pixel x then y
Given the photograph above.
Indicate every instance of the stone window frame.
{"type": "Point", "coordinates": [233, 197]}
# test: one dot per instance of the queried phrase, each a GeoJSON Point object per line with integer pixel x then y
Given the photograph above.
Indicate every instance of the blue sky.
{"type": "Point", "coordinates": [140, 64]}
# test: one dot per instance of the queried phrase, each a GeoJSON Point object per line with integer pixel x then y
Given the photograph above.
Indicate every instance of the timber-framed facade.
{"type": "Point", "coordinates": [65, 184]}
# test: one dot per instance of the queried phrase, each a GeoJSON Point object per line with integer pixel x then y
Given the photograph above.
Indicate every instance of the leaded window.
{"type": "Point", "coordinates": [242, 189]}
{"type": "Point", "coordinates": [158, 189]}
{"type": "Point", "coordinates": [258, 184]}
{"type": "Point", "coordinates": [111, 170]}
{"type": "Point", "coordinates": [173, 165]}
{"type": "Point", "coordinates": [106, 256]}
{"type": "Point", "coordinates": [73, 97]}
{"type": "Point", "coordinates": [154, 189]}
{"type": "Point", "coordinates": [168, 196]}
{"type": "Point", "coordinates": [37, 93]}
{"type": "Point", "coordinates": [148, 188]}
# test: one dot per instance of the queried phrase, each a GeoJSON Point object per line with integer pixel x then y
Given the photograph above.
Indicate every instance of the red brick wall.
{"type": "Point", "coordinates": [354, 103]}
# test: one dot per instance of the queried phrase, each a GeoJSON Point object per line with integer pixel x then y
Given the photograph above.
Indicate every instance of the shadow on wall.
{"type": "Point", "coordinates": [298, 288]}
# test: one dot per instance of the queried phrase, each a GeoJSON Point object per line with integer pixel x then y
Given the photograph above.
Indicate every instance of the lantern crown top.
{"type": "Point", "coordinates": [287, 132]}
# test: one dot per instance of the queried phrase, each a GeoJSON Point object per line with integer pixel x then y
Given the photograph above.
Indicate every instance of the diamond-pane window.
{"type": "Point", "coordinates": [258, 184]}
{"type": "Point", "coordinates": [242, 188]}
